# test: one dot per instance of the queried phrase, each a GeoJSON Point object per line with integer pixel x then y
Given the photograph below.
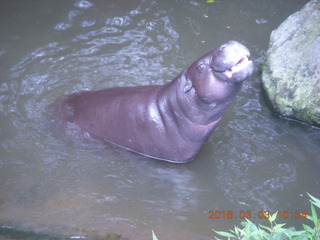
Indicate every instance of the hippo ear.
{"type": "Point", "coordinates": [187, 85]}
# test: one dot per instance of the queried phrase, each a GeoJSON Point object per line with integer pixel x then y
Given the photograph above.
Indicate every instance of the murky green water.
{"type": "Point", "coordinates": [51, 183]}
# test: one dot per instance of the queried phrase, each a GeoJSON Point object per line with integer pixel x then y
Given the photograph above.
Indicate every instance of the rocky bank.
{"type": "Point", "coordinates": [291, 68]}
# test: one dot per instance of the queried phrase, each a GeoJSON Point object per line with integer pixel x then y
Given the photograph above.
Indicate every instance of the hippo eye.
{"type": "Point", "coordinates": [201, 67]}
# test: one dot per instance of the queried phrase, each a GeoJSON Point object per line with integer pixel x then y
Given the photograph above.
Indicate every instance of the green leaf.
{"type": "Point", "coordinates": [210, 1]}
{"type": "Point", "coordinates": [154, 236]}
{"type": "Point", "coordinates": [309, 217]}
{"type": "Point", "coordinates": [236, 231]}
{"type": "Point", "coordinates": [242, 232]}
{"type": "Point", "coordinates": [314, 215]}
{"type": "Point", "coordinates": [264, 235]}
{"type": "Point", "coordinates": [278, 226]}
{"type": "Point", "coordinates": [273, 217]}
{"type": "Point", "coordinates": [308, 228]}
{"type": "Point", "coordinates": [276, 236]}
{"type": "Point", "coordinates": [314, 200]}
{"type": "Point", "coordinates": [292, 233]}
{"type": "Point", "coordinates": [265, 227]}
{"type": "Point", "coordinates": [224, 234]}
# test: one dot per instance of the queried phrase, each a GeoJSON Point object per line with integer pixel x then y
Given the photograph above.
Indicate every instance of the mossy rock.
{"type": "Point", "coordinates": [291, 68]}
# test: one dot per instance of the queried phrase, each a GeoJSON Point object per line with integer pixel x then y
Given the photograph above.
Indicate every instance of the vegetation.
{"type": "Point", "coordinates": [251, 231]}
{"type": "Point", "coordinates": [154, 236]}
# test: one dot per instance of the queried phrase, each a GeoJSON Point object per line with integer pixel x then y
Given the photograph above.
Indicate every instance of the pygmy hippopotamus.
{"type": "Point", "coordinates": [168, 122]}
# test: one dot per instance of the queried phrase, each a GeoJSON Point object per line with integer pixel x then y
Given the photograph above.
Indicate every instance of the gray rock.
{"type": "Point", "coordinates": [291, 68]}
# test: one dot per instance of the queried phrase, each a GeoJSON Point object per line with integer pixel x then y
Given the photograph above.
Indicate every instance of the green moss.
{"type": "Point", "coordinates": [15, 234]}
{"type": "Point", "coordinates": [7, 233]}
{"type": "Point", "coordinates": [113, 236]}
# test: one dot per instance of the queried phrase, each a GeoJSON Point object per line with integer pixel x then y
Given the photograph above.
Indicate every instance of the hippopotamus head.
{"type": "Point", "coordinates": [210, 75]}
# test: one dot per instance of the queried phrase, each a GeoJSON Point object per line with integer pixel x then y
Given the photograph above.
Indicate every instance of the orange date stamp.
{"type": "Point", "coordinates": [256, 215]}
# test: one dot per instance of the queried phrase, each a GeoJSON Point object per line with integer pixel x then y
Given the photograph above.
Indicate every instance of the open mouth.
{"type": "Point", "coordinates": [241, 64]}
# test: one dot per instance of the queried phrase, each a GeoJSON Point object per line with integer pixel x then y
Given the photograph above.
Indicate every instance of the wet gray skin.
{"type": "Point", "coordinates": [169, 122]}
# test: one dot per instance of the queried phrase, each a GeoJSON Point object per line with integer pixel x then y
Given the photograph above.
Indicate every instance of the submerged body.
{"type": "Point", "coordinates": [169, 122]}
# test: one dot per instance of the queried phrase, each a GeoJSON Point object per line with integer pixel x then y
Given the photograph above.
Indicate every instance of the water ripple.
{"type": "Point", "coordinates": [118, 21]}
{"type": "Point", "coordinates": [84, 4]}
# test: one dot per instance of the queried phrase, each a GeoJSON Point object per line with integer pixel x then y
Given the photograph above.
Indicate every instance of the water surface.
{"type": "Point", "coordinates": [50, 182]}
